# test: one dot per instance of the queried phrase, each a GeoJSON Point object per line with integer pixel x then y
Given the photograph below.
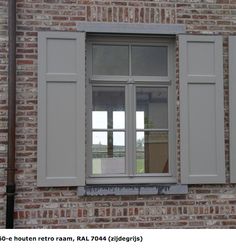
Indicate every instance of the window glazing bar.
{"type": "Point", "coordinates": [161, 130]}
{"type": "Point", "coordinates": [104, 130]}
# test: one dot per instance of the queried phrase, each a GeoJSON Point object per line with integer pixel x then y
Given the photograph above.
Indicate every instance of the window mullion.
{"type": "Point", "coordinates": [130, 68]}
{"type": "Point", "coordinates": [127, 128]}
{"type": "Point", "coordinates": [133, 100]}
{"type": "Point", "coordinates": [130, 131]}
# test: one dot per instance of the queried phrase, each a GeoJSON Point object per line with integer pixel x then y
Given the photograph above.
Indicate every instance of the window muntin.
{"type": "Point", "coordinates": [155, 135]}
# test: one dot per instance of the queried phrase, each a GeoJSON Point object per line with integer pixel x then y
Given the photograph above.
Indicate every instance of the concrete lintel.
{"type": "Point", "coordinates": [163, 189]}
{"type": "Point", "coordinates": [131, 28]}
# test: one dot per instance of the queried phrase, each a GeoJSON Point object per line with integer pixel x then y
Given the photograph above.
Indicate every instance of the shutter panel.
{"type": "Point", "coordinates": [201, 109]}
{"type": "Point", "coordinates": [232, 106]}
{"type": "Point", "coordinates": [61, 109]}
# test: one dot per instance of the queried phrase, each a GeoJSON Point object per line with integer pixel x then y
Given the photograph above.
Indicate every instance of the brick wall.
{"type": "Point", "coordinates": [204, 206]}
{"type": "Point", "coordinates": [3, 105]}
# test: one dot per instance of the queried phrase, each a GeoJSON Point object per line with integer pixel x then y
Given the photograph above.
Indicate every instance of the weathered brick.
{"type": "Point", "coordinates": [204, 206]}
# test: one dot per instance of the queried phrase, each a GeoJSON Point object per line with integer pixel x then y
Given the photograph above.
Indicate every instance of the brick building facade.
{"type": "Point", "coordinates": [204, 205]}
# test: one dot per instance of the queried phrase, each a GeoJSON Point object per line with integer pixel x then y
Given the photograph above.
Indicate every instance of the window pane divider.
{"type": "Point", "coordinates": [144, 80]}
{"type": "Point", "coordinates": [138, 130]}
{"type": "Point", "coordinates": [130, 117]}
{"type": "Point", "coordinates": [97, 79]}
{"type": "Point", "coordinates": [102, 130]}
{"type": "Point", "coordinates": [148, 79]}
{"type": "Point", "coordinates": [131, 175]}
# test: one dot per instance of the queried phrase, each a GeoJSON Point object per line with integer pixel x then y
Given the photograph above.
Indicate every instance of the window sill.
{"type": "Point", "coordinates": [128, 189]}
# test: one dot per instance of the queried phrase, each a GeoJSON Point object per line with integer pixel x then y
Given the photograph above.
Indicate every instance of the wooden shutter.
{"type": "Point", "coordinates": [201, 109]}
{"type": "Point", "coordinates": [61, 109]}
{"type": "Point", "coordinates": [232, 106]}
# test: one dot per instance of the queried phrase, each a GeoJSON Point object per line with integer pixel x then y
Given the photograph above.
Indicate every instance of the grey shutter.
{"type": "Point", "coordinates": [201, 109]}
{"type": "Point", "coordinates": [232, 106]}
{"type": "Point", "coordinates": [61, 109]}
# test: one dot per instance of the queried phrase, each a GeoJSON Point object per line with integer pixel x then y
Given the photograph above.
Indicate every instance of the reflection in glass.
{"type": "Point", "coordinates": [149, 60]}
{"type": "Point", "coordinates": [110, 60]}
{"type": "Point", "coordinates": [118, 120]}
{"type": "Point", "coordinates": [151, 152]}
{"type": "Point", "coordinates": [152, 108]}
{"type": "Point", "coordinates": [108, 152]}
{"type": "Point", "coordinates": [140, 119]}
{"type": "Point", "coordinates": [99, 119]}
{"type": "Point", "coordinates": [108, 108]}
{"type": "Point", "coordinates": [108, 115]}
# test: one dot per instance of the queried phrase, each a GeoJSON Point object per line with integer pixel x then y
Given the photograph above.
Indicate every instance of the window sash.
{"type": "Point", "coordinates": [131, 41]}
{"type": "Point", "coordinates": [130, 133]}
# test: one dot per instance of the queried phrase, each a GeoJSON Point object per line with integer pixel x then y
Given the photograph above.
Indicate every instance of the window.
{"type": "Point", "coordinates": [128, 82]}
{"type": "Point", "coordinates": [130, 110]}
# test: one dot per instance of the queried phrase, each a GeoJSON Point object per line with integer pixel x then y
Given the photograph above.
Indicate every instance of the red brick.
{"type": "Point", "coordinates": [186, 211]}
{"type": "Point", "coordinates": [24, 62]}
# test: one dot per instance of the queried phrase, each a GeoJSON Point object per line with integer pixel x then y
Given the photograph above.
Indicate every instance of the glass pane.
{"type": "Point", "coordinates": [108, 108]}
{"type": "Point", "coordinates": [99, 119]}
{"type": "Point", "coordinates": [108, 153]}
{"type": "Point", "coordinates": [140, 119]}
{"type": "Point", "coordinates": [152, 152]}
{"type": "Point", "coordinates": [152, 107]}
{"type": "Point", "coordinates": [118, 120]}
{"type": "Point", "coordinates": [149, 61]}
{"type": "Point", "coordinates": [110, 60]}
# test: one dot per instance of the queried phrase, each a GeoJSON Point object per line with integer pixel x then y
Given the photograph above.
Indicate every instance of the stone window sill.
{"type": "Point", "coordinates": [128, 189]}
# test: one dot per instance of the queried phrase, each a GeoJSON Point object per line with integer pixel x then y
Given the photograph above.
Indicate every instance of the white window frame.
{"type": "Point", "coordinates": [130, 83]}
